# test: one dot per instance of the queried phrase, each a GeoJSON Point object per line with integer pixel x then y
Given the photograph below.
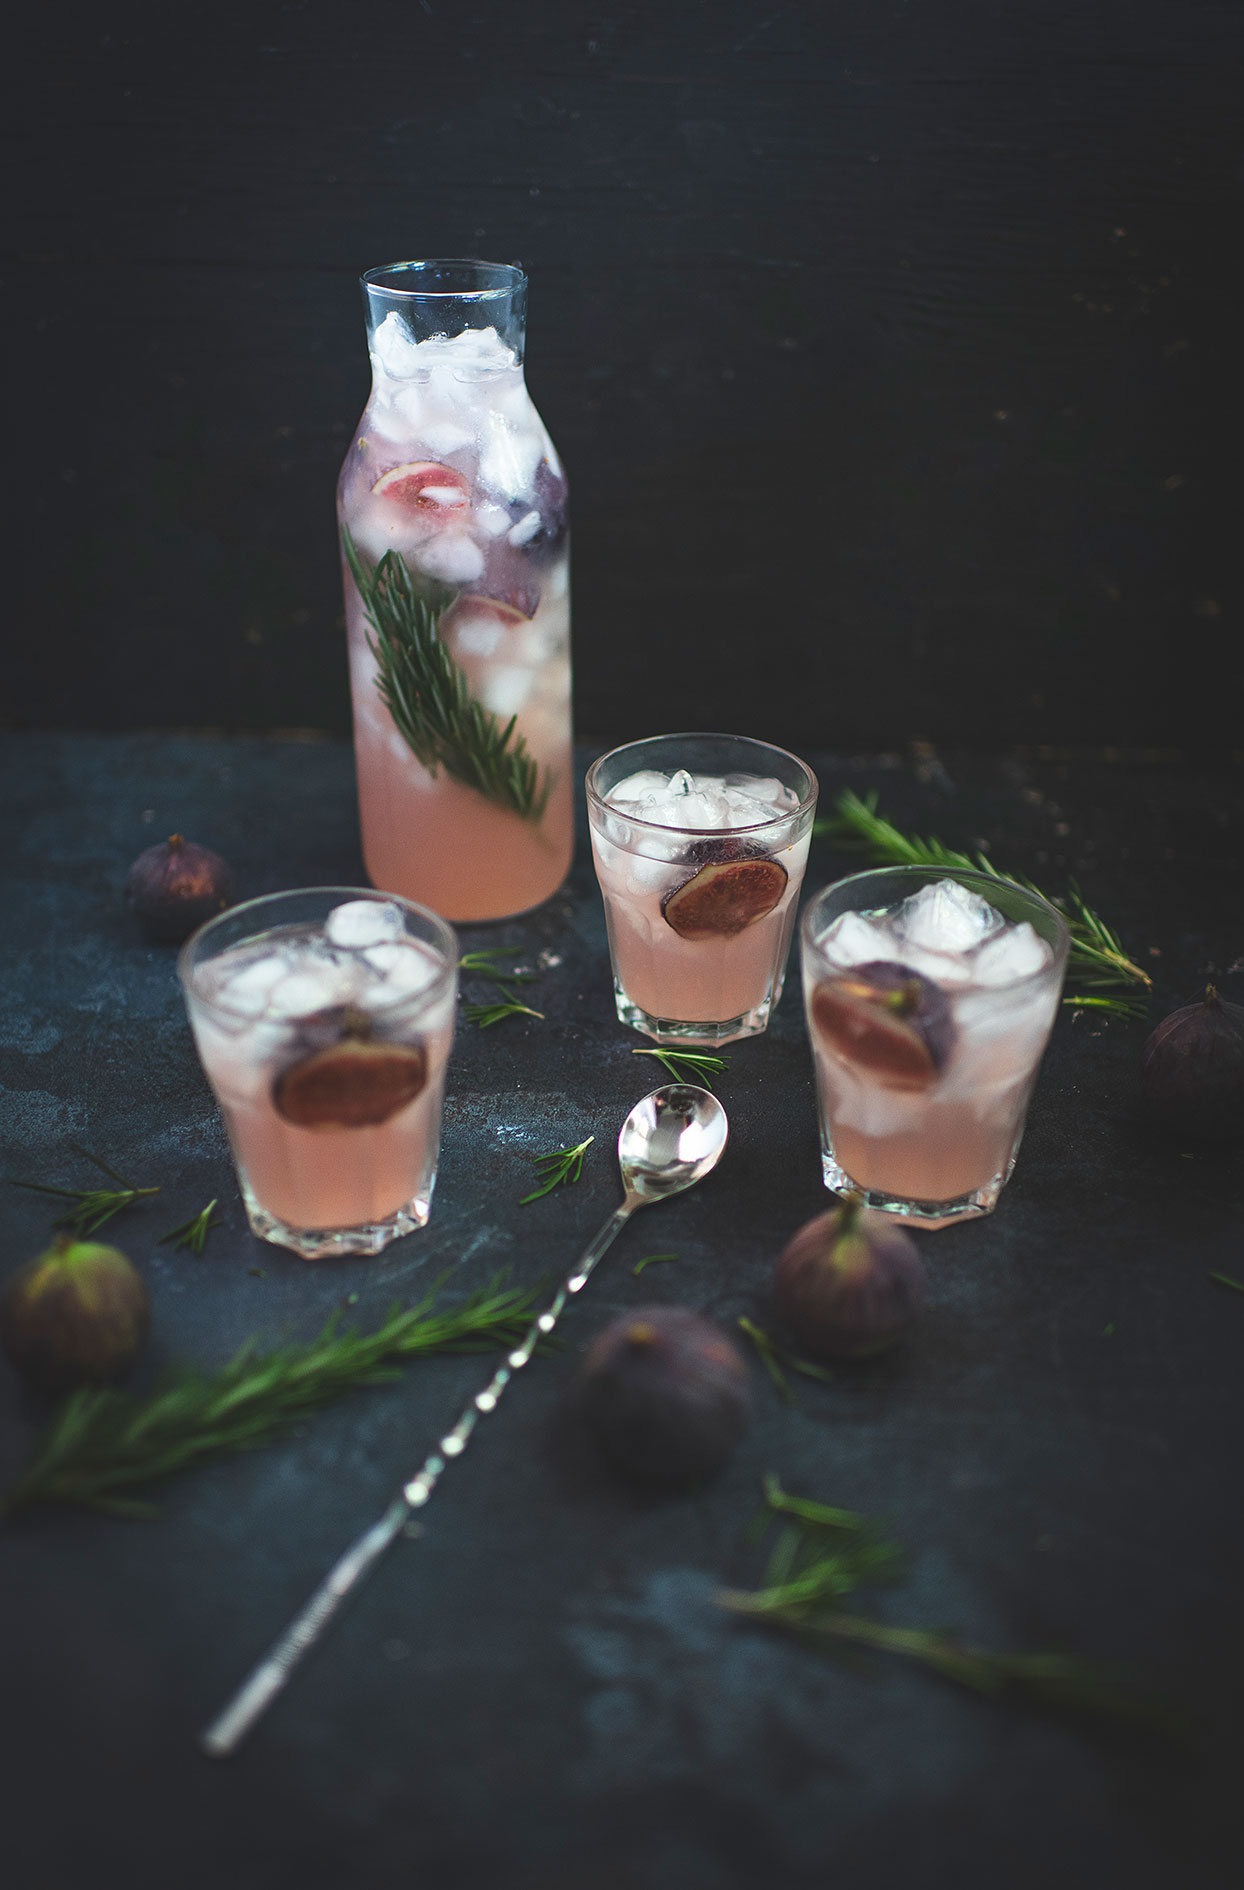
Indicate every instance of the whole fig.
{"type": "Point", "coordinates": [75, 1315]}
{"type": "Point", "coordinates": [666, 1393]}
{"type": "Point", "coordinates": [1192, 1069]}
{"type": "Point", "coordinates": [174, 887]}
{"type": "Point", "coordinates": [849, 1282]}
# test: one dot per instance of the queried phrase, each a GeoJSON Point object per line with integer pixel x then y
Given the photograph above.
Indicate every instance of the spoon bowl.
{"type": "Point", "coordinates": [670, 1141]}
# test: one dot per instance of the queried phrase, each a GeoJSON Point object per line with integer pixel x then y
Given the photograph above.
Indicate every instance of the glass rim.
{"type": "Point", "coordinates": [806, 803]}
{"type": "Point", "coordinates": [511, 276]}
{"type": "Point", "coordinates": [417, 1000]}
{"type": "Point", "coordinates": [976, 880]}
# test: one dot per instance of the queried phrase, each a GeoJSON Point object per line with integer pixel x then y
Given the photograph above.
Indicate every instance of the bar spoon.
{"type": "Point", "coordinates": [669, 1141]}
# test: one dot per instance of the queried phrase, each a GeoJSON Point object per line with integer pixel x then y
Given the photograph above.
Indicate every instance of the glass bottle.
{"type": "Point", "coordinates": [455, 553]}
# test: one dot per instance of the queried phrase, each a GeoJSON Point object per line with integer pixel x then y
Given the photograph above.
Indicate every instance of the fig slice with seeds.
{"type": "Point", "coordinates": [735, 886]}
{"type": "Point", "coordinates": [423, 485]}
{"type": "Point", "coordinates": [887, 1020]}
{"type": "Point", "coordinates": [353, 1083]}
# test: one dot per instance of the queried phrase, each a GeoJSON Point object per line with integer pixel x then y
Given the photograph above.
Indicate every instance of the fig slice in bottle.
{"type": "Point", "coordinates": [887, 1020]}
{"type": "Point", "coordinates": [425, 486]}
{"type": "Point", "coordinates": [735, 886]}
{"type": "Point", "coordinates": [352, 1083]}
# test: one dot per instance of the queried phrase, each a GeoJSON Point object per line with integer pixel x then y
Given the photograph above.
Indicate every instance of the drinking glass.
{"type": "Point", "coordinates": [324, 1019]}
{"type": "Point", "coordinates": [700, 880]}
{"type": "Point", "coordinates": [925, 1060]}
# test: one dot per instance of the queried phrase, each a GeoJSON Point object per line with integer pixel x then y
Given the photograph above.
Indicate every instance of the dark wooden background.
{"type": "Point", "coordinates": [890, 348]}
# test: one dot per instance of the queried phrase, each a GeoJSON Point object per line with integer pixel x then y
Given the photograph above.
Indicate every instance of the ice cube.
{"type": "Point", "coordinates": [1014, 953]}
{"type": "Point", "coordinates": [394, 348]}
{"type": "Point", "coordinates": [405, 969]}
{"type": "Point", "coordinates": [362, 922]}
{"type": "Point", "coordinates": [855, 940]}
{"type": "Point", "coordinates": [451, 556]}
{"type": "Point", "coordinates": [526, 528]}
{"type": "Point", "coordinates": [947, 917]}
{"type": "Point", "coordinates": [503, 688]}
{"type": "Point", "coordinates": [310, 989]}
{"type": "Point", "coordinates": [492, 519]}
{"type": "Point", "coordinates": [509, 454]}
{"type": "Point", "coordinates": [637, 789]}
{"type": "Point", "coordinates": [245, 990]}
{"type": "Point", "coordinates": [766, 792]}
{"type": "Point", "coordinates": [443, 437]}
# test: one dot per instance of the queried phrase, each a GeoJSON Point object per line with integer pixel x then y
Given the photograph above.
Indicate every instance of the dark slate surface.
{"type": "Point", "coordinates": [540, 1690]}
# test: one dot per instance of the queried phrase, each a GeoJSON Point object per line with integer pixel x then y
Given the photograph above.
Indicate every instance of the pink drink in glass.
{"type": "Point", "coordinates": [324, 1022]}
{"type": "Point", "coordinates": [453, 472]}
{"type": "Point", "coordinates": [700, 844]}
{"type": "Point", "coordinates": [929, 1001]}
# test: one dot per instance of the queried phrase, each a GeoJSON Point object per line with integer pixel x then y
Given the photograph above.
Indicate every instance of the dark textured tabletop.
{"type": "Point", "coordinates": [540, 1691]}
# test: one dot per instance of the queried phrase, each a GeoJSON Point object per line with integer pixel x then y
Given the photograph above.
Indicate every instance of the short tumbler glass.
{"type": "Point", "coordinates": [940, 1148]}
{"type": "Point", "coordinates": [701, 917]}
{"type": "Point", "coordinates": [327, 1061]}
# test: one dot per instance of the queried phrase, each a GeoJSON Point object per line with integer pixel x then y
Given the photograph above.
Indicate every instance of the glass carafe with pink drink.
{"type": "Point", "coordinates": [452, 506]}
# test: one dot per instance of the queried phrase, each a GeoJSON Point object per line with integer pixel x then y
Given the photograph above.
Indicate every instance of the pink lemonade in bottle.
{"type": "Point", "coordinates": [452, 505]}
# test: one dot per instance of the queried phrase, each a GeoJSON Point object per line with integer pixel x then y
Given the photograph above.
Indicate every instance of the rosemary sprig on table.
{"type": "Point", "coordinates": [94, 1206]}
{"type": "Point", "coordinates": [560, 1168]}
{"type": "Point", "coordinates": [700, 1067]}
{"type": "Point", "coordinates": [426, 693]}
{"type": "Point", "coordinates": [102, 1444]}
{"type": "Point", "coordinates": [823, 1555]}
{"type": "Point", "coordinates": [775, 1358]}
{"type": "Point", "coordinates": [486, 959]}
{"type": "Point", "coordinates": [194, 1232]}
{"type": "Point", "coordinates": [1112, 981]}
{"type": "Point", "coordinates": [502, 1006]}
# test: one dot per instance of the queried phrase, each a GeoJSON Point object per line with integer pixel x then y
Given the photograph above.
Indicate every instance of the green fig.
{"type": "Point", "coordinates": [75, 1315]}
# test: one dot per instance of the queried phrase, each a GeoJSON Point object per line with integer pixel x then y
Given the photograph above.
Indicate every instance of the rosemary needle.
{"type": "Point", "coordinates": [194, 1232]}
{"type": "Point", "coordinates": [559, 1168]}
{"type": "Point", "coordinates": [700, 1067]}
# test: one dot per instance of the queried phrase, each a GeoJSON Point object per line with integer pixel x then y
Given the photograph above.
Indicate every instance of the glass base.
{"type": "Point", "coordinates": [927, 1214]}
{"type": "Point", "coordinates": [674, 1030]}
{"type": "Point", "coordinates": [320, 1243]}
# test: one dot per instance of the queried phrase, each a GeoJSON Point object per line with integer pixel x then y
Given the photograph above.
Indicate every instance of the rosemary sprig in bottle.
{"type": "Point", "coordinates": [101, 1444]}
{"type": "Point", "coordinates": [1110, 980]}
{"type": "Point", "coordinates": [427, 695]}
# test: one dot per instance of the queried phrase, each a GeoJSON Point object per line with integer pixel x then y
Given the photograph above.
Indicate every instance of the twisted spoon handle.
{"type": "Point", "coordinates": [227, 1731]}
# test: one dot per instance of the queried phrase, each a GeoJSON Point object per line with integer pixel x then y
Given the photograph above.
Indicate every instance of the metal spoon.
{"type": "Point", "coordinates": [669, 1141]}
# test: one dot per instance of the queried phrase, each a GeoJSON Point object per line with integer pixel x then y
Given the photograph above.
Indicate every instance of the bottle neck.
{"type": "Point", "coordinates": [410, 303]}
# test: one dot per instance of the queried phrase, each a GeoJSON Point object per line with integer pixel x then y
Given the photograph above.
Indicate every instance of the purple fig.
{"type": "Point", "coordinates": [76, 1315]}
{"type": "Point", "coordinates": [849, 1282]}
{"type": "Point", "coordinates": [1192, 1069]}
{"type": "Point", "coordinates": [175, 887]}
{"type": "Point", "coordinates": [666, 1393]}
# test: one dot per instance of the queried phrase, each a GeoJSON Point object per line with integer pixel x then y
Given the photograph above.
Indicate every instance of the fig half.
{"type": "Point", "coordinates": [888, 1020]}
{"type": "Point", "coordinates": [353, 1082]}
{"type": "Point", "coordinates": [735, 885]}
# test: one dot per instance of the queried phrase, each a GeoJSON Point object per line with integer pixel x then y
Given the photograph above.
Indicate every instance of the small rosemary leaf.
{"type": "Point", "coordinates": [651, 1260]}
